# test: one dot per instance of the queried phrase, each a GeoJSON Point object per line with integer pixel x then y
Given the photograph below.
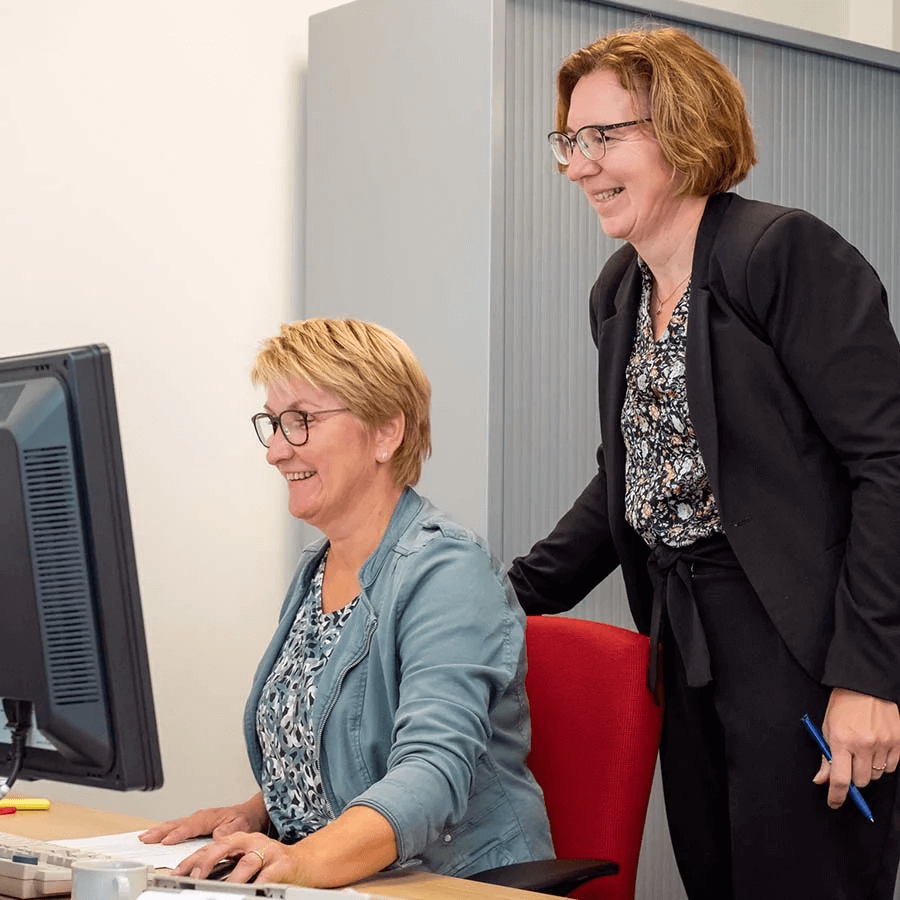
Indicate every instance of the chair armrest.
{"type": "Point", "coordinates": [558, 877]}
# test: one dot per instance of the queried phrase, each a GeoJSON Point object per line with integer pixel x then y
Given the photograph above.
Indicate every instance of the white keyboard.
{"type": "Point", "coordinates": [171, 887]}
{"type": "Point", "coordinates": [31, 869]}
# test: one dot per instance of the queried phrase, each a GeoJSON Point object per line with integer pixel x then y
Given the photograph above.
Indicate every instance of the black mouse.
{"type": "Point", "coordinates": [223, 868]}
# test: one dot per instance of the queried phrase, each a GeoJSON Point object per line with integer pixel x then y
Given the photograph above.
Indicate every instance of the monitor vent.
{"type": "Point", "coordinates": [9, 394]}
{"type": "Point", "coordinates": [61, 575]}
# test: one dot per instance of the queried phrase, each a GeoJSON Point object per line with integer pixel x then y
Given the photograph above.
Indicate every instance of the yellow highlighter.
{"type": "Point", "coordinates": [27, 803]}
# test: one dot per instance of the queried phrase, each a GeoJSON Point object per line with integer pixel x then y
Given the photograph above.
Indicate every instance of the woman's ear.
{"type": "Point", "coordinates": [389, 436]}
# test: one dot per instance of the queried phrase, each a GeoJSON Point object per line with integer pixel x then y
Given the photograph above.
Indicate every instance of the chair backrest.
{"type": "Point", "coordinates": [595, 735]}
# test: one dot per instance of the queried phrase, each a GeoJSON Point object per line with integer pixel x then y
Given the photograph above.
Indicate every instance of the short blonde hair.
{"type": "Point", "coordinates": [697, 106]}
{"type": "Point", "coordinates": [372, 370]}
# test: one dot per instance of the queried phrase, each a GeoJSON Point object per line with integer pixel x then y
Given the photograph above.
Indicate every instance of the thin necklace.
{"type": "Point", "coordinates": [661, 303]}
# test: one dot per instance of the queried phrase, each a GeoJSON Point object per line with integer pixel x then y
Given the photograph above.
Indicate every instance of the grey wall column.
{"type": "Point", "coordinates": [399, 213]}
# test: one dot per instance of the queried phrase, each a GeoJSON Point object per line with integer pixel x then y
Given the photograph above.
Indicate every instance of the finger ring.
{"type": "Point", "coordinates": [261, 855]}
{"type": "Point", "coordinates": [879, 768]}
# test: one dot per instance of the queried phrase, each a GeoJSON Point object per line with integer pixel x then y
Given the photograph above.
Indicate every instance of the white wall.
{"type": "Point", "coordinates": [148, 173]}
{"type": "Point", "coordinates": [875, 22]}
{"type": "Point", "coordinates": [151, 192]}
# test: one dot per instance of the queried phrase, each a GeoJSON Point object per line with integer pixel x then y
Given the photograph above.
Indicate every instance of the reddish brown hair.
{"type": "Point", "coordinates": [697, 106]}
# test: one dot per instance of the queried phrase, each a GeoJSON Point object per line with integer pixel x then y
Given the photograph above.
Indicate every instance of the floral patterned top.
{"type": "Point", "coordinates": [291, 778]}
{"type": "Point", "coordinates": [668, 497]}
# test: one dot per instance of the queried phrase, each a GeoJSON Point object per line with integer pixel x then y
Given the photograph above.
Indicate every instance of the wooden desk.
{"type": "Point", "coordinates": [63, 821]}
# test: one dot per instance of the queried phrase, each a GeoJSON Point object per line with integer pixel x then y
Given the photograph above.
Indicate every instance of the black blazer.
{"type": "Point", "coordinates": [793, 385]}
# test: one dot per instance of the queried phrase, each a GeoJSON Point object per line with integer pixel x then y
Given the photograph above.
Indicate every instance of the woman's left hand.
{"type": "Point", "coordinates": [864, 735]}
{"type": "Point", "coordinates": [256, 856]}
{"type": "Point", "coordinates": [357, 844]}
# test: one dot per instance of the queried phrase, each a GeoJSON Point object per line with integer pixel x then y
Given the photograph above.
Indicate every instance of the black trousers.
{"type": "Point", "coordinates": [746, 820]}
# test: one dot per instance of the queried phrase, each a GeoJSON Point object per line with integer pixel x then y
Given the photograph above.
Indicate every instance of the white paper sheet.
{"type": "Point", "coordinates": [127, 845]}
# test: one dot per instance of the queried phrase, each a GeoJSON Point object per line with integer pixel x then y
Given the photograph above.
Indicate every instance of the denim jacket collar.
{"type": "Point", "coordinates": [407, 508]}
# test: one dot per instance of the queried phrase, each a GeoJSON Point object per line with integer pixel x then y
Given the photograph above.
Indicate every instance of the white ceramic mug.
{"type": "Point", "coordinates": [108, 879]}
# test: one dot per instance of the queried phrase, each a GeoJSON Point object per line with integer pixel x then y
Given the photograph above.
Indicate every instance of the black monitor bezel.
{"type": "Point", "coordinates": [85, 373]}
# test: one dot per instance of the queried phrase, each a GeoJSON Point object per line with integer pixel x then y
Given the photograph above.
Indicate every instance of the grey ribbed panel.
{"type": "Point", "coordinates": [554, 250]}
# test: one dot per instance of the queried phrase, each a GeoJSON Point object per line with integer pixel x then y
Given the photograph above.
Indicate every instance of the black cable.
{"type": "Point", "coordinates": [18, 720]}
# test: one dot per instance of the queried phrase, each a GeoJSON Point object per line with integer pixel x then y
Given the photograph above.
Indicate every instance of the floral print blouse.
{"type": "Point", "coordinates": [668, 497]}
{"type": "Point", "coordinates": [291, 778]}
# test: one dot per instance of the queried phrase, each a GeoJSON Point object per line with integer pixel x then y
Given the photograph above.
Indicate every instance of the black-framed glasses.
{"type": "Point", "coordinates": [294, 424]}
{"type": "Point", "coordinates": [591, 139]}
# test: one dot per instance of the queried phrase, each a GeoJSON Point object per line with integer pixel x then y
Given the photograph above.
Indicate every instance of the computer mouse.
{"type": "Point", "coordinates": [224, 867]}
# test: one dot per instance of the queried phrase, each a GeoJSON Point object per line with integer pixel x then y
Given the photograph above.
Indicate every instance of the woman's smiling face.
{"type": "Point", "coordinates": [632, 187]}
{"type": "Point", "coordinates": [331, 474]}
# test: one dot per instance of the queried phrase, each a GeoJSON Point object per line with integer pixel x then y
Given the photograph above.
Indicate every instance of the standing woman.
{"type": "Point", "coordinates": [748, 481]}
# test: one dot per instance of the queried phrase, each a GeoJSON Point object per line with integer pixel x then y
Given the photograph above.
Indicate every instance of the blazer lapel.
{"type": "Point", "coordinates": [698, 364]}
{"type": "Point", "coordinates": [698, 372]}
{"type": "Point", "coordinates": [614, 345]}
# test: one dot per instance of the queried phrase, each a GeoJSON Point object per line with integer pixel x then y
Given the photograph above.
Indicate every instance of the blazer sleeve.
{"type": "Point", "coordinates": [562, 568]}
{"type": "Point", "coordinates": [825, 311]}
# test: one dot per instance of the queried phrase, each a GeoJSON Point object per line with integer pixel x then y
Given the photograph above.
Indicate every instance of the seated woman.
{"type": "Point", "coordinates": [388, 721]}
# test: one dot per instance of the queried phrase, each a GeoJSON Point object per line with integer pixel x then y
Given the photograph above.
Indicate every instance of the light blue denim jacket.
{"type": "Point", "coordinates": [421, 711]}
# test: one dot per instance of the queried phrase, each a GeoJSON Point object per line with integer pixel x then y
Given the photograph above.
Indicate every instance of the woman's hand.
{"type": "Point", "coordinates": [220, 821]}
{"type": "Point", "coordinates": [256, 857]}
{"type": "Point", "coordinates": [359, 843]}
{"type": "Point", "coordinates": [864, 735]}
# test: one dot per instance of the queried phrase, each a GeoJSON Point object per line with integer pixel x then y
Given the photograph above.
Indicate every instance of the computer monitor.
{"type": "Point", "coordinates": [72, 647]}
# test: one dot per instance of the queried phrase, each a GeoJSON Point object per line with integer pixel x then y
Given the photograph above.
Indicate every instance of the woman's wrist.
{"type": "Point", "coordinates": [356, 845]}
{"type": "Point", "coordinates": [256, 813]}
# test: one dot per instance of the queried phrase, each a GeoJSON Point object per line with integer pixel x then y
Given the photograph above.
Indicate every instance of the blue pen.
{"type": "Point", "coordinates": [856, 796]}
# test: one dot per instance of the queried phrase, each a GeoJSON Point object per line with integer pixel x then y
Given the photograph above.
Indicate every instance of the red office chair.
{"type": "Point", "coordinates": [595, 735]}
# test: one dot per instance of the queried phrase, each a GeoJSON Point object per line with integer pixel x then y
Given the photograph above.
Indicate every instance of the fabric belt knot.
{"type": "Point", "coordinates": [670, 571]}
